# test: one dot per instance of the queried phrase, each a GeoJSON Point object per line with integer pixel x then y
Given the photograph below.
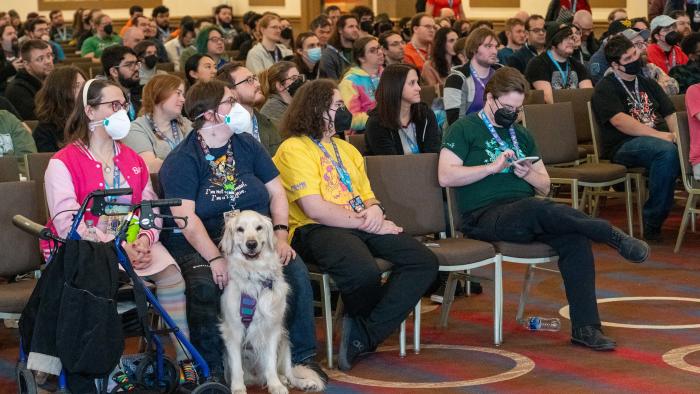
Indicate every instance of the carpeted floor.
{"type": "Point", "coordinates": [462, 357]}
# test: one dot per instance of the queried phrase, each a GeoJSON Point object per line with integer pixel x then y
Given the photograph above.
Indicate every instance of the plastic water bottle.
{"type": "Point", "coordinates": [535, 323]}
{"type": "Point", "coordinates": [91, 233]}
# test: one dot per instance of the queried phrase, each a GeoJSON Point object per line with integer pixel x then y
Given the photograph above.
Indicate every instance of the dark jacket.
{"type": "Point", "coordinates": [47, 136]}
{"type": "Point", "coordinates": [522, 57]}
{"type": "Point", "coordinates": [21, 92]}
{"type": "Point", "coordinates": [7, 70]}
{"type": "Point", "coordinates": [384, 141]}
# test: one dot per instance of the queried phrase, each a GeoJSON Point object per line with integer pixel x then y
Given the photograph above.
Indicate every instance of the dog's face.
{"type": "Point", "coordinates": [248, 234]}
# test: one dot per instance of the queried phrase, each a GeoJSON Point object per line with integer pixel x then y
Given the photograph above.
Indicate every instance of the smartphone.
{"type": "Point", "coordinates": [533, 159]}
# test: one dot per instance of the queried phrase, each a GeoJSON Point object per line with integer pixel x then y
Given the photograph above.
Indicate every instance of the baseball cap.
{"type": "Point", "coordinates": [557, 32]}
{"type": "Point", "coordinates": [619, 26]}
{"type": "Point", "coordinates": [632, 33]}
{"type": "Point", "coordinates": [662, 21]}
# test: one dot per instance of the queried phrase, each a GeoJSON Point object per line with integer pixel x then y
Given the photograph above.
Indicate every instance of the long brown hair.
{"type": "Point", "coordinates": [390, 93]}
{"type": "Point", "coordinates": [157, 90]}
{"type": "Point", "coordinates": [305, 115]}
{"type": "Point", "coordinates": [276, 73]}
{"type": "Point", "coordinates": [56, 94]}
{"type": "Point", "coordinates": [78, 125]}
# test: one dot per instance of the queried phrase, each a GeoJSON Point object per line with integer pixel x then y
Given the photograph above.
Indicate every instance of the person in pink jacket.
{"type": "Point", "coordinates": [95, 159]}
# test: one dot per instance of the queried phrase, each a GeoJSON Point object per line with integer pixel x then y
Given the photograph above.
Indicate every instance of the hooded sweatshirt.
{"type": "Point", "coordinates": [357, 90]}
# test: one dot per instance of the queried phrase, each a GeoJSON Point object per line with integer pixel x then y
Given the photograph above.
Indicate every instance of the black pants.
{"type": "Point", "coordinates": [568, 231]}
{"type": "Point", "coordinates": [348, 257]}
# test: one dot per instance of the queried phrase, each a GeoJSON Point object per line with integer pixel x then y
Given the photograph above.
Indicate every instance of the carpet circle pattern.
{"type": "Point", "coordinates": [676, 358]}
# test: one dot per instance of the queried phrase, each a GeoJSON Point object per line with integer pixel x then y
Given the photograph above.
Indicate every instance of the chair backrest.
{"type": "Point", "coordinates": [359, 142]}
{"type": "Point", "coordinates": [408, 188]}
{"type": "Point", "coordinates": [168, 67]}
{"type": "Point", "coordinates": [95, 70]}
{"type": "Point", "coordinates": [678, 101]}
{"type": "Point", "coordinates": [683, 143]}
{"type": "Point", "coordinates": [534, 97]}
{"type": "Point", "coordinates": [428, 94]}
{"type": "Point", "coordinates": [578, 99]}
{"type": "Point", "coordinates": [453, 215]}
{"type": "Point", "coordinates": [20, 251]}
{"type": "Point", "coordinates": [554, 135]}
{"type": "Point", "coordinates": [31, 124]}
{"type": "Point", "coordinates": [595, 134]}
{"type": "Point", "coordinates": [9, 169]}
{"type": "Point", "coordinates": [36, 164]}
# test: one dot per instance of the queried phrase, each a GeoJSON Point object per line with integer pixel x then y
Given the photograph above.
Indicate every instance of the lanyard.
{"type": "Point", "coordinates": [223, 174]}
{"type": "Point", "coordinates": [418, 51]}
{"type": "Point", "coordinates": [256, 128]}
{"type": "Point", "coordinates": [332, 48]}
{"type": "Point", "coordinates": [173, 126]}
{"type": "Point", "coordinates": [573, 6]}
{"type": "Point", "coordinates": [636, 97]}
{"type": "Point", "coordinates": [413, 145]}
{"type": "Point", "coordinates": [477, 78]}
{"type": "Point", "coordinates": [670, 63]}
{"type": "Point", "coordinates": [498, 138]}
{"type": "Point", "coordinates": [343, 174]}
{"type": "Point", "coordinates": [62, 33]}
{"type": "Point", "coordinates": [276, 55]}
{"type": "Point", "coordinates": [564, 77]}
{"type": "Point", "coordinates": [529, 48]}
{"type": "Point", "coordinates": [450, 3]}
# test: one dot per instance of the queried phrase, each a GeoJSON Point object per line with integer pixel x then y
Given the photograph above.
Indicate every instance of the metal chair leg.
{"type": "Point", "coordinates": [529, 275]}
{"type": "Point", "coordinates": [498, 300]}
{"type": "Point", "coordinates": [402, 339]}
{"type": "Point", "coordinates": [327, 317]}
{"type": "Point", "coordinates": [448, 298]}
{"type": "Point", "coordinates": [690, 204]}
{"type": "Point", "coordinates": [628, 205]}
{"type": "Point", "coordinates": [416, 327]}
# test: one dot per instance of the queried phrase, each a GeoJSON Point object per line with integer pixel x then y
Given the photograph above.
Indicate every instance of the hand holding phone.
{"type": "Point", "coordinates": [531, 159]}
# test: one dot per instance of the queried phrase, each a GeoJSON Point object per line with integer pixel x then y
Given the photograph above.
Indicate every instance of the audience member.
{"type": "Point", "coordinates": [104, 37]}
{"type": "Point", "coordinates": [583, 21]}
{"type": "Point", "coordinates": [79, 26]}
{"type": "Point", "coordinates": [563, 10]}
{"type": "Point", "coordinates": [536, 40]}
{"type": "Point", "coordinates": [365, 17]}
{"type": "Point", "coordinates": [279, 83]}
{"type": "Point", "coordinates": [58, 94]}
{"type": "Point", "coordinates": [682, 23]}
{"type": "Point", "coordinates": [90, 20]}
{"type": "Point", "coordinates": [307, 55]}
{"type": "Point", "coordinates": [516, 35]}
{"type": "Point", "coordinates": [135, 11]}
{"type": "Point", "coordinates": [464, 87]}
{"type": "Point", "coordinates": [15, 139]}
{"type": "Point", "coordinates": [244, 117]}
{"type": "Point", "coordinates": [417, 52]}
{"type": "Point", "coordinates": [59, 31]}
{"type": "Point", "coordinates": [209, 42]}
{"type": "Point", "coordinates": [161, 16]}
{"type": "Point", "coordinates": [121, 66]}
{"type": "Point", "coordinates": [689, 73]}
{"type": "Point", "coordinates": [664, 50]}
{"type": "Point", "coordinates": [38, 29]}
{"type": "Point", "coordinates": [433, 8]}
{"type": "Point", "coordinates": [246, 178]}
{"type": "Point", "coordinates": [554, 69]}
{"type": "Point", "coordinates": [334, 215]}
{"type": "Point", "coordinates": [251, 36]}
{"type": "Point", "coordinates": [460, 48]}
{"type": "Point", "coordinates": [401, 124]}
{"type": "Point", "coordinates": [223, 18]}
{"type": "Point", "coordinates": [640, 24]}
{"type": "Point", "coordinates": [10, 60]}
{"type": "Point", "coordinates": [147, 55]}
{"type": "Point", "coordinates": [268, 51]}
{"type": "Point", "coordinates": [334, 13]}
{"type": "Point", "coordinates": [337, 55]}
{"type": "Point", "coordinates": [286, 35]}
{"type": "Point", "coordinates": [161, 126]}
{"type": "Point", "coordinates": [632, 112]}
{"type": "Point", "coordinates": [692, 104]}
{"type": "Point", "coordinates": [359, 84]}
{"type": "Point", "coordinates": [394, 47]}
{"type": "Point", "coordinates": [442, 58]}
{"type": "Point", "coordinates": [95, 159]}
{"type": "Point", "coordinates": [199, 68]}
{"type": "Point", "coordinates": [132, 36]}
{"type": "Point", "coordinates": [496, 197]}
{"type": "Point", "coordinates": [617, 14]}
{"type": "Point", "coordinates": [184, 40]}
{"type": "Point", "coordinates": [37, 59]}
{"type": "Point", "coordinates": [597, 64]}
{"type": "Point", "coordinates": [322, 28]}
{"type": "Point", "coordinates": [462, 27]}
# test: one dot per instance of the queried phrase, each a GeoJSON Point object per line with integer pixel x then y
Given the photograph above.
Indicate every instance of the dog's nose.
{"type": "Point", "coordinates": [251, 244]}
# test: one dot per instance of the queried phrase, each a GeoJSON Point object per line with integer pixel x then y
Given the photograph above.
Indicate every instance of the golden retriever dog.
{"type": "Point", "coordinates": [253, 306]}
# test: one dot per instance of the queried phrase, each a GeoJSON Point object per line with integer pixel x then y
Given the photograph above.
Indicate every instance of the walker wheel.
{"type": "Point", "coordinates": [146, 375]}
{"type": "Point", "coordinates": [211, 388]}
{"type": "Point", "coordinates": [26, 384]}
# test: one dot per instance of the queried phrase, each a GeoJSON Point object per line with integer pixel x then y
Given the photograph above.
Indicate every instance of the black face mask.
{"type": "Point", "coordinates": [504, 117]}
{"type": "Point", "coordinates": [150, 61]}
{"type": "Point", "coordinates": [109, 29]}
{"type": "Point", "coordinates": [672, 38]}
{"type": "Point", "coordinates": [633, 68]}
{"type": "Point", "coordinates": [366, 26]}
{"type": "Point", "coordinates": [294, 86]}
{"type": "Point", "coordinates": [343, 120]}
{"type": "Point", "coordinates": [287, 33]}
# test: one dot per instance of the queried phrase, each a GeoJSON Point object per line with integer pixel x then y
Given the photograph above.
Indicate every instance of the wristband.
{"type": "Point", "coordinates": [280, 227]}
{"type": "Point", "coordinates": [380, 207]}
{"type": "Point", "coordinates": [214, 259]}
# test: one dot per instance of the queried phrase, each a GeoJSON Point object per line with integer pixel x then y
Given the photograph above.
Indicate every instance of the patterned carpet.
{"type": "Point", "coordinates": [658, 335]}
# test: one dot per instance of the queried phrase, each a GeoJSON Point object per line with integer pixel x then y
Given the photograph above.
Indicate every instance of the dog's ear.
{"type": "Point", "coordinates": [270, 238]}
{"type": "Point", "coordinates": [227, 241]}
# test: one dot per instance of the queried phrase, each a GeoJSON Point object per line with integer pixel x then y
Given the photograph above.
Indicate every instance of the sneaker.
{"type": "Point", "coordinates": [652, 234]}
{"type": "Point", "coordinates": [351, 345]}
{"type": "Point", "coordinates": [188, 374]}
{"type": "Point", "coordinates": [313, 365]}
{"type": "Point", "coordinates": [122, 381]}
{"type": "Point", "coordinates": [630, 248]}
{"type": "Point", "coordinates": [592, 337]}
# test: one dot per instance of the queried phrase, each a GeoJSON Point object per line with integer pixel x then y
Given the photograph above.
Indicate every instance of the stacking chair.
{"type": "Point", "coordinates": [95, 70]}
{"type": "Point", "coordinates": [692, 186]}
{"type": "Point", "coordinates": [31, 124]}
{"type": "Point", "coordinates": [359, 142]}
{"type": "Point", "coordinates": [534, 97]}
{"type": "Point", "coordinates": [532, 254]}
{"type": "Point", "coordinates": [408, 188]}
{"type": "Point", "coordinates": [428, 94]}
{"type": "Point", "coordinates": [167, 67]}
{"type": "Point", "coordinates": [9, 169]}
{"type": "Point", "coordinates": [678, 101]}
{"type": "Point", "coordinates": [636, 174]}
{"type": "Point", "coordinates": [579, 99]}
{"type": "Point", "coordinates": [556, 140]}
{"type": "Point", "coordinates": [20, 251]}
{"type": "Point", "coordinates": [36, 164]}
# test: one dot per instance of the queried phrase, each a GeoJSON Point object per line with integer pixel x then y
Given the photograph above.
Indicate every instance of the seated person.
{"type": "Point", "coordinates": [161, 126]}
{"type": "Point", "coordinates": [15, 139]}
{"type": "Point", "coordinates": [268, 50]}
{"type": "Point", "coordinates": [689, 73]}
{"type": "Point", "coordinates": [121, 66]}
{"type": "Point", "coordinates": [632, 112]}
{"type": "Point", "coordinates": [444, 57]}
{"type": "Point", "coordinates": [360, 82]}
{"type": "Point", "coordinates": [401, 124]}
{"type": "Point", "coordinates": [210, 41]}
{"type": "Point", "coordinates": [104, 37]}
{"type": "Point", "coordinates": [209, 190]}
{"type": "Point", "coordinates": [37, 61]}
{"type": "Point", "coordinates": [556, 68]}
{"type": "Point", "coordinates": [60, 91]}
{"type": "Point", "coordinates": [279, 83]}
{"type": "Point", "coordinates": [246, 91]}
{"type": "Point", "coordinates": [307, 55]}
{"type": "Point", "coordinates": [94, 159]}
{"type": "Point", "coordinates": [147, 53]}
{"type": "Point", "coordinates": [337, 56]}
{"type": "Point", "coordinates": [496, 197]}
{"type": "Point", "coordinates": [692, 103]}
{"type": "Point", "coordinates": [664, 50]}
{"type": "Point", "coordinates": [338, 224]}
{"type": "Point", "coordinates": [199, 68]}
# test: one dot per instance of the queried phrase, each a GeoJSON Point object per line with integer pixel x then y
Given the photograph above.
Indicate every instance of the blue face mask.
{"type": "Point", "coordinates": [314, 54]}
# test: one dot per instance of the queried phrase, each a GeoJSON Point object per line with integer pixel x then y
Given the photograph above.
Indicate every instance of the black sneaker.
{"type": "Point", "coordinates": [438, 295]}
{"type": "Point", "coordinates": [313, 365]}
{"type": "Point", "coordinates": [352, 345]}
{"type": "Point", "coordinates": [592, 337]}
{"type": "Point", "coordinates": [630, 248]}
{"type": "Point", "coordinates": [652, 234]}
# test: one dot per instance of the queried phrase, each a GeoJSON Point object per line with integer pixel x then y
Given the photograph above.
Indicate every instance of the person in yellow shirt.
{"type": "Point", "coordinates": [337, 223]}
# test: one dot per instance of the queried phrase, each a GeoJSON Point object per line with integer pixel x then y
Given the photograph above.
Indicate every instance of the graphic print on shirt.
{"type": "Point", "coordinates": [558, 80]}
{"type": "Point", "coordinates": [493, 150]}
{"type": "Point", "coordinates": [224, 184]}
{"type": "Point", "coordinates": [335, 188]}
{"type": "Point", "coordinates": [643, 111]}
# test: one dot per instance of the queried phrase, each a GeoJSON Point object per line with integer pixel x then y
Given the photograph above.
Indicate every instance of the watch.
{"type": "Point", "coordinates": [380, 207]}
{"type": "Point", "coordinates": [280, 227]}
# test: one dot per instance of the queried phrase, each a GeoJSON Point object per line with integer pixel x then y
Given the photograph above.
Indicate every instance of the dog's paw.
{"type": "Point", "coordinates": [277, 389]}
{"type": "Point", "coordinates": [311, 385]}
{"type": "Point", "coordinates": [238, 389]}
{"type": "Point", "coordinates": [284, 380]}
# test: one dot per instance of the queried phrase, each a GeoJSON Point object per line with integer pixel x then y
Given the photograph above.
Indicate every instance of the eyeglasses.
{"type": "Point", "coordinates": [134, 64]}
{"type": "Point", "coordinates": [338, 107]}
{"type": "Point", "coordinates": [229, 101]}
{"type": "Point", "coordinates": [216, 40]}
{"type": "Point", "coordinates": [250, 81]}
{"type": "Point", "coordinates": [429, 27]}
{"type": "Point", "coordinates": [509, 108]}
{"type": "Point", "coordinates": [398, 43]}
{"type": "Point", "coordinates": [296, 78]}
{"type": "Point", "coordinates": [117, 105]}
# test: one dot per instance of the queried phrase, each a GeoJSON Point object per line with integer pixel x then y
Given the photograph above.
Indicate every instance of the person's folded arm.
{"type": "Point", "coordinates": [328, 213]}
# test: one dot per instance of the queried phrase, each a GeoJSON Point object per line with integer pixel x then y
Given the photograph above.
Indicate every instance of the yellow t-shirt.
{"type": "Point", "coordinates": [306, 171]}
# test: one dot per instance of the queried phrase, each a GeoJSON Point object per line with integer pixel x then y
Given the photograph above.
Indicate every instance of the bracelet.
{"type": "Point", "coordinates": [214, 259]}
{"type": "Point", "coordinates": [280, 227]}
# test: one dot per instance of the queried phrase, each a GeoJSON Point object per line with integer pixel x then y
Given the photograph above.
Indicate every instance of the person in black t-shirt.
{"type": "Point", "coordinates": [633, 112]}
{"type": "Point", "coordinates": [556, 69]}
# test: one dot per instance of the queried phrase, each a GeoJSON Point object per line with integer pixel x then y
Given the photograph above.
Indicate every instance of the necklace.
{"type": "Point", "coordinates": [106, 164]}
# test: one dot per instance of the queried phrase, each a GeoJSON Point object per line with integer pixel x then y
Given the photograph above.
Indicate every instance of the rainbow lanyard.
{"type": "Point", "coordinates": [343, 174]}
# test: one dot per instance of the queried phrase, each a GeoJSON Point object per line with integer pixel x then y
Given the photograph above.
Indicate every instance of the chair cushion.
{"type": "Point", "coordinates": [459, 251]}
{"type": "Point", "coordinates": [14, 296]}
{"type": "Point", "coordinates": [384, 265]}
{"type": "Point", "coordinates": [589, 172]}
{"type": "Point", "coordinates": [584, 150]}
{"type": "Point", "coordinates": [525, 251]}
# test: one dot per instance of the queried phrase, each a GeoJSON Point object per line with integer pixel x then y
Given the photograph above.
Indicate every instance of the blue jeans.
{"type": "Point", "coordinates": [660, 158]}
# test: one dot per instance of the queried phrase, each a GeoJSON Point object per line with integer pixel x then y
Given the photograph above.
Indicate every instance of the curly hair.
{"type": "Point", "coordinates": [308, 111]}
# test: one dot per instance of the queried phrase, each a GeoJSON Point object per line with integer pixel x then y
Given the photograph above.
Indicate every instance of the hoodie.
{"type": "Point", "coordinates": [357, 90]}
{"type": "Point", "coordinates": [381, 140]}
